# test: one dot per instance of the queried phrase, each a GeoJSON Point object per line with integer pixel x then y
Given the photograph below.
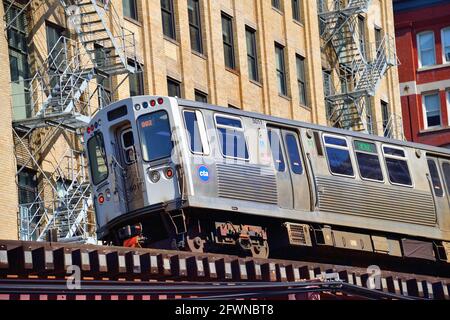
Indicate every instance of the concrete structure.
{"type": "Point", "coordinates": [256, 55]}
{"type": "Point", "coordinates": [423, 43]}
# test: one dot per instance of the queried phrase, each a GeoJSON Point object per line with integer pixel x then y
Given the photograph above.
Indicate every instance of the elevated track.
{"type": "Point", "coordinates": [37, 271]}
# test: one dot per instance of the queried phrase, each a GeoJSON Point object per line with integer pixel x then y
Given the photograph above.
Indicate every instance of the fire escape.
{"type": "Point", "coordinates": [61, 97]}
{"type": "Point", "coordinates": [360, 66]}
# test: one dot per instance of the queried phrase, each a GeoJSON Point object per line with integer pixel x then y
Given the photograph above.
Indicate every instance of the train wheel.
{"type": "Point", "coordinates": [260, 251]}
{"type": "Point", "coordinates": [195, 244]}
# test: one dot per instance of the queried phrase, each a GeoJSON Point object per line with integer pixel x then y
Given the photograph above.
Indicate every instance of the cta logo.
{"type": "Point", "coordinates": [203, 173]}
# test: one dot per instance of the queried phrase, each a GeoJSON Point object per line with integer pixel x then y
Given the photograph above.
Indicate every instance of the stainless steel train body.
{"type": "Point", "coordinates": [196, 174]}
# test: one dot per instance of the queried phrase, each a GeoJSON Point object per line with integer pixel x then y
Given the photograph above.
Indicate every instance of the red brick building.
{"type": "Point", "coordinates": [423, 47]}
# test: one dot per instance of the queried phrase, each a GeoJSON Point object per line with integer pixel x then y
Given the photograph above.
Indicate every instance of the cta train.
{"type": "Point", "coordinates": [171, 173]}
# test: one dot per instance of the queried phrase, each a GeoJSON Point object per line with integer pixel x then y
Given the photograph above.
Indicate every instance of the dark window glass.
{"type": "Point", "coordinates": [136, 81]}
{"type": "Point", "coordinates": [128, 139]}
{"type": "Point", "coordinates": [435, 179]}
{"type": "Point", "coordinates": [294, 154]}
{"type": "Point", "coordinates": [155, 135]}
{"type": "Point", "coordinates": [201, 96]}
{"type": "Point", "coordinates": [335, 141]}
{"type": "Point", "coordinates": [281, 69]}
{"type": "Point", "coordinates": [128, 146]}
{"type": "Point", "coordinates": [301, 81]}
{"type": "Point", "coordinates": [195, 30]}
{"type": "Point", "coordinates": [97, 159]}
{"type": "Point", "coordinates": [398, 171]}
{"type": "Point", "coordinates": [228, 42]}
{"type": "Point", "coordinates": [338, 156]}
{"type": "Point", "coordinates": [368, 160]}
{"type": "Point", "coordinates": [236, 123]}
{"type": "Point", "coordinates": [394, 152]}
{"type": "Point", "coordinates": [277, 151]}
{"type": "Point", "coordinates": [173, 88]}
{"type": "Point", "coordinates": [252, 55]}
{"type": "Point", "coordinates": [296, 15]}
{"type": "Point", "coordinates": [168, 18]}
{"type": "Point", "coordinates": [446, 170]}
{"type": "Point", "coordinates": [340, 162]}
{"type": "Point", "coordinates": [369, 166]}
{"type": "Point", "coordinates": [190, 119]}
{"type": "Point", "coordinates": [130, 9]}
{"type": "Point", "coordinates": [276, 4]}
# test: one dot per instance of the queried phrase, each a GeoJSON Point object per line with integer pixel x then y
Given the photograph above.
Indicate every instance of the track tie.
{"type": "Point", "coordinates": [133, 263]}
{"type": "Point", "coordinates": [223, 269]}
{"type": "Point", "coordinates": [164, 269]}
{"type": "Point", "coordinates": [195, 268]}
{"type": "Point", "coordinates": [281, 274]}
{"type": "Point", "coordinates": [268, 272]}
{"type": "Point", "coordinates": [253, 270]}
{"type": "Point", "coordinates": [81, 259]}
{"type": "Point", "coordinates": [239, 270]}
{"type": "Point", "coordinates": [62, 259]}
{"type": "Point", "coordinates": [99, 265]}
{"type": "Point", "coordinates": [178, 266]}
{"type": "Point", "coordinates": [4, 265]}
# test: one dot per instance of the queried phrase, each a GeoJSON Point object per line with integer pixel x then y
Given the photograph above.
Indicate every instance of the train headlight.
{"type": "Point", "coordinates": [137, 107]}
{"type": "Point", "coordinates": [108, 194]}
{"type": "Point", "coordinates": [154, 176]}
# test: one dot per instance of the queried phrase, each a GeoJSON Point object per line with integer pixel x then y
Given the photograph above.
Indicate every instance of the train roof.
{"type": "Point", "coordinates": [297, 123]}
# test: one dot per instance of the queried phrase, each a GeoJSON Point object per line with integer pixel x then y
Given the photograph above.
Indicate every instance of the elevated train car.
{"type": "Point", "coordinates": [172, 173]}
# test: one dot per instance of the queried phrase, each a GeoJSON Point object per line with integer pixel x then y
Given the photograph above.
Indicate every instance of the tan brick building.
{"type": "Point", "coordinates": [288, 58]}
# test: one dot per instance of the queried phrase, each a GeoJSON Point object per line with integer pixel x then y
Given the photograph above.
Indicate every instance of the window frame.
{"type": "Point", "coordinates": [171, 12]}
{"type": "Point", "coordinates": [379, 160]}
{"type": "Point", "coordinates": [253, 32]}
{"type": "Point", "coordinates": [105, 159]}
{"type": "Point", "coordinates": [129, 148]}
{"type": "Point", "coordinates": [134, 12]}
{"type": "Point", "coordinates": [201, 129]}
{"type": "Point", "coordinates": [177, 83]}
{"type": "Point", "coordinates": [229, 20]}
{"type": "Point", "coordinates": [398, 158]}
{"type": "Point", "coordinates": [297, 10]}
{"type": "Point", "coordinates": [282, 72]}
{"type": "Point", "coordinates": [445, 162]}
{"type": "Point", "coordinates": [198, 27]}
{"type": "Point", "coordinates": [424, 109]}
{"type": "Point", "coordinates": [325, 144]}
{"type": "Point", "coordinates": [140, 135]}
{"type": "Point", "coordinates": [277, 5]}
{"type": "Point", "coordinates": [441, 178]}
{"type": "Point", "coordinates": [299, 149]}
{"type": "Point", "coordinates": [419, 51]}
{"type": "Point", "coordinates": [444, 45]}
{"type": "Point", "coordinates": [301, 82]}
{"type": "Point", "coordinates": [200, 93]}
{"type": "Point", "coordinates": [242, 129]}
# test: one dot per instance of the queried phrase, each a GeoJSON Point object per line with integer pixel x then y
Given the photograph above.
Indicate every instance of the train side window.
{"type": "Point", "coordinates": [338, 155]}
{"type": "Point", "coordinates": [446, 170]}
{"type": "Point", "coordinates": [294, 153]}
{"type": "Point", "coordinates": [128, 146]}
{"type": "Point", "coordinates": [397, 166]}
{"type": "Point", "coordinates": [195, 126]}
{"type": "Point", "coordinates": [97, 159]}
{"type": "Point", "coordinates": [435, 179]}
{"type": "Point", "coordinates": [231, 137]}
{"type": "Point", "coordinates": [277, 150]}
{"type": "Point", "coordinates": [368, 160]}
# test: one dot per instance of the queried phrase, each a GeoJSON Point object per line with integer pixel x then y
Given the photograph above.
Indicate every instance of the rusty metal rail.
{"type": "Point", "coordinates": [41, 262]}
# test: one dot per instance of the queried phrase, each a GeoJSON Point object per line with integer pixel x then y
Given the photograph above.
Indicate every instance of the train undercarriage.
{"type": "Point", "coordinates": [221, 232]}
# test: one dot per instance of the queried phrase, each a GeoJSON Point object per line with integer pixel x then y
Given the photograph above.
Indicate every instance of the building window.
{"type": "Point", "coordinates": [301, 81]}
{"type": "Point", "coordinates": [296, 11]}
{"type": "Point", "coordinates": [385, 114]}
{"type": "Point", "coordinates": [173, 88]}
{"type": "Point", "coordinates": [228, 43]}
{"type": "Point", "coordinates": [427, 56]}
{"type": "Point", "coordinates": [446, 44]}
{"type": "Point", "coordinates": [130, 9]}
{"type": "Point", "coordinates": [276, 4]}
{"type": "Point", "coordinates": [432, 110]}
{"type": "Point", "coordinates": [168, 18]}
{"type": "Point", "coordinates": [201, 96]}
{"type": "Point", "coordinates": [252, 54]}
{"type": "Point", "coordinates": [281, 69]}
{"type": "Point", "coordinates": [195, 29]}
{"type": "Point", "coordinates": [136, 81]}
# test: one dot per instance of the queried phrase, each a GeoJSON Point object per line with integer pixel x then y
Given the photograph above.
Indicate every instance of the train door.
{"type": "Point", "coordinates": [132, 181]}
{"type": "Point", "coordinates": [284, 182]}
{"type": "Point", "coordinates": [300, 183]}
{"type": "Point", "coordinates": [445, 173]}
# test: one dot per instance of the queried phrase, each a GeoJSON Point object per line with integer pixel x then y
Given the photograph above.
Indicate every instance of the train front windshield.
{"type": "Point", "coordinates": [155, 135]}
